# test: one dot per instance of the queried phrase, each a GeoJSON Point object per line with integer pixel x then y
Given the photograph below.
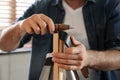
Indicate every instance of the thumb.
{"type": "Point", "coordinates": [74, 41]}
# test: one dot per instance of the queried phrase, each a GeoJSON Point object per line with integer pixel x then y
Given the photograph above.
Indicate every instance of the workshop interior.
{"type": "Point", "coordinates": [16, 64]}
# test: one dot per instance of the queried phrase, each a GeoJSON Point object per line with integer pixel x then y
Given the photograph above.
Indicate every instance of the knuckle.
{"type": "Point", "coordinates": [79, 51]}
{"type": "Point", "coordinates": [37, 31]}
{"type": "Point", "coordinates": [79, 63]}
{"type": "Point", "coordinates": [67, 61]}
{"type": "Point", "coordinates": [34, 15]}
{"type": "Point", "coordinates": [80, 57]}
{"type": "Point", "coordinates": [78, 68]}
{"type": "Point", "coordinates": [26, 20]}
{"type": "Point", "coordinates": [41, 14]}
{"type": "Point", "coordinates": [70, 68]}
{"type": "Point", "coordinates": [72, 49]}
{"type": "Point", "coordinates": [44, 25]}
{"type": "Point", "coordinates": [49, 19]}
{"type": "Point", "coordinates": [58, 60]}
{"type": "Point", "coordinates": [68, 50]}
{"type": "Point", "coordinates": [79, 46]}
{"type": "Point", "coordinates": [24, 23]}
{"type": "Point", "coordinates": [29, 31]}
{"type": "Point", "coordinates": [68, 56]}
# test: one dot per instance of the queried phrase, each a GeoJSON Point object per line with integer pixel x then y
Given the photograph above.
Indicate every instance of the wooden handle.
{"type": "Point", "coordinates": [61, 49]}
{"type": "Point", "coordinates": [58, 46]}
{"type": "Point", "coordinates": [55, 49]}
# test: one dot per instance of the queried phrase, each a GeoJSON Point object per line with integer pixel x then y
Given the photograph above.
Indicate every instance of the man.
{"type": "Point", "coordinates": [96, 23]}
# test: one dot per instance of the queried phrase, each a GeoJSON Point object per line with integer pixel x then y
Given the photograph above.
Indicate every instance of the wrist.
{"type": "Point", "coordinates": [92, 58]}
{"type": "Point", "coordinates": [21, 28]}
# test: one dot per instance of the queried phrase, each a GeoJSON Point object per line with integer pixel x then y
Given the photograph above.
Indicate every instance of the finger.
{"type": "Point", "coordinates": [34, 26]}
{"type": "Point", "coordinates": [74, 41]}
{"type": "Point", "coordinates": [42, 24]}
{"type": "Point", "coordinates": [73, 50]}
{"type": "Point", "coordinates": [65, 56]}
{"type": "Point", "coordinates": [69, 50]}
{"type": "Point", "coordinates": [27, 27]}
{"type": "Point", "coordinates": [49, 22]}
{"type": "Point", "coordinates": [66, 61]}
{"type": "Point", "coordinates": [29, 30]}
{"type": "Point", "coordinates": [69, 67]}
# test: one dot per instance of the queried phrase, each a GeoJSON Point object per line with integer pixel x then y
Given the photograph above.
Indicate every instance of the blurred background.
{"type": "Point", "coordinates": [14, 65]}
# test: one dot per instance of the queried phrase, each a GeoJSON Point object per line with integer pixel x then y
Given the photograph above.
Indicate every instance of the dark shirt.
{"type": "Point", "coordinates": [102, 23]}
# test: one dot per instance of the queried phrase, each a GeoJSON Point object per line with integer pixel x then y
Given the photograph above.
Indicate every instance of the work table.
{"type": "Point", "coordinates": [19, 50]}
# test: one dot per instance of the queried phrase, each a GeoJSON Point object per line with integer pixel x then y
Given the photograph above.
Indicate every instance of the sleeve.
{"type": "Point", "coordinates": [112, 40]}
{"type": "Point", "coordinates": [30, 11]}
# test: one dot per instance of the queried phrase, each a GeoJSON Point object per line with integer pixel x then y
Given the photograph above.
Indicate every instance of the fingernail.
{"type": "Point", "coordinates": [38, 31]}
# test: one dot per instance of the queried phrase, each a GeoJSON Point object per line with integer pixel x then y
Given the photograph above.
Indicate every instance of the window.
{"type": "Point", "coordinates": [10, 10]}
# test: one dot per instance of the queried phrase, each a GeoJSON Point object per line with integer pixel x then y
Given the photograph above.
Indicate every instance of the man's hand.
{"type": "Point", "coordinates": [37, 23]}
{"type": "Point", "coordinates": [78, 58]}
{"type": "Point", "coordinates": [74, 58]}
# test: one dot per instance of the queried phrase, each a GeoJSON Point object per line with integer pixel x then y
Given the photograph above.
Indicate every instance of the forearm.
{"type": "Point", "coordinates": [104, 60]}
{"type": "Point", "coordinates": [10, 37]}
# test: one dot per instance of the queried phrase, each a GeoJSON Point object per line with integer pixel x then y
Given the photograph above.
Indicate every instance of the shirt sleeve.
{"type": "Point", "coordinates": [30, 11]}
{"type": "Point", "coordinates": [112, 39]}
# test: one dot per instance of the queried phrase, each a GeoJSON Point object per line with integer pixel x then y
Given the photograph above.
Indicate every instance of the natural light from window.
{"type": "Point", "coordinates": [22, 5]}
{"type": "Point", "coordinates": [10, 10]}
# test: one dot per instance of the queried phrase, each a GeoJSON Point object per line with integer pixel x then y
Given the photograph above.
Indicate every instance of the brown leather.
{"type": "Point", "coordinates": [85, 72]}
